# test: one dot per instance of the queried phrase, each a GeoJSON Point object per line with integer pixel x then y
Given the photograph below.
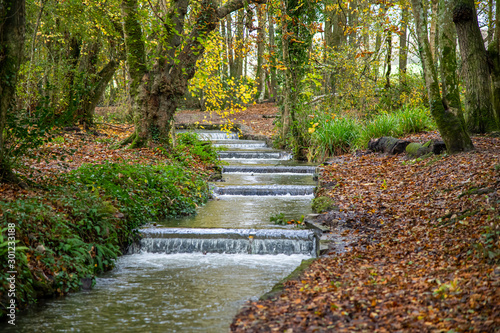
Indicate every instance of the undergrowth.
{"type": "Point", "coordinates": [331, 134]}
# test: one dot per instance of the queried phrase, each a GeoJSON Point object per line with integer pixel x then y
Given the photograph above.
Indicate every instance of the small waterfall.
{"type": "Point", "coordinates": [270, 169]}
{"type": "Point", "coordinates": [212, 135]}
{"type": "Point", "coordinates": [262, 190]}
{"type": "Point", "coordinates": [279, 155]}
{"type": "Point", "coordinates": [240, 144]}
{"type": "Point", "coordinates": [230, 241]}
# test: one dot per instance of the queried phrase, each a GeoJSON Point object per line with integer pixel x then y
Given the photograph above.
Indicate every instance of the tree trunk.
{"type": "Point", "coordinates": [434, 29]}
{"type": "Point", "coordinates": [450, 127]}
{"type": "Point", "coordinates": [388, 59]}
{"type": "Point", "coordinates": [353, 22]}
{"type": "Point", "coordinates": [272, 54]}
{"type": "Point", "coordinates": [240, 56]}
{"type": "Point", "coordinates": [494, 56]}
{"type": "Point", "coordinates": [260, 72]}
{"type": "Point", "coordinates": [89, 101]}
{"type": "Point", "coordinates": [403, 48]}
{"type": "Point", "coordinates": [448, 60]}
{"type": "Point", "coordinates": [230, 46]}
{"type": "Point", "coordinates": [287, 103]}
{"type": "Point", "coordinates": [480, 117]}
{"type": "Point", "coordinates": [12, 34]}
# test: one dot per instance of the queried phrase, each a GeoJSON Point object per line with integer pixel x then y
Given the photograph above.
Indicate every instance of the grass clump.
{"type": "Point", "coordinates": [322, 204]}
{"type": "Point", "coordinates": [334, 135]}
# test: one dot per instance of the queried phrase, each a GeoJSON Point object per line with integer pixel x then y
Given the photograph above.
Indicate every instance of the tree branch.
{"type": "Point", "coordinates": [234, 5]}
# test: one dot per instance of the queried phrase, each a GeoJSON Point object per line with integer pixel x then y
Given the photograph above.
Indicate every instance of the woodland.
{"type": "Point", "coordinates": [91, 90]}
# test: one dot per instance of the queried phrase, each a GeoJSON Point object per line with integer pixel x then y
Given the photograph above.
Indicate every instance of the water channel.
{"type": "Point", "coordinates": [193, 274]}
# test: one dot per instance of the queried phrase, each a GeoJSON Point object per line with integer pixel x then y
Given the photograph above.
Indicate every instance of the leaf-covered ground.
{"type": "Point", "coordinates": [423, 253]}
{"type": "Point", "coordinates": [258, 118]}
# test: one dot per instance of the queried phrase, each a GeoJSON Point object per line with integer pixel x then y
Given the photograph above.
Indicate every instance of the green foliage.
{"type": "Point", "coordinates": [66, 236]}
{"type": "Point", "coordinates": [322, 204]}
{"type": "Point", "coordinates": [189, 147]}
{"type": "Point", "coordinates": [143, 192]}
{"type": "Point", "coordinates": [280, 219]}
{"type": "Point", "coordinates": [336, 135]}
{"type": "Point", "coordinates": [78, 229]}
{"type": "Point", "coordinates": [330, 134]}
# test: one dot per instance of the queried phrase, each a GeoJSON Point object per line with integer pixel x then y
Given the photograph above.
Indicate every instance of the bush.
{"type": "Point", "coordinates": [144, 192]}
{"type": "Point", "coordinates": [336, 136]}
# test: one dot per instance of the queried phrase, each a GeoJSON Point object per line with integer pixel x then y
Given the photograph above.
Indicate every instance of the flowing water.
{"type": "Point", "coordinates": [193, 274]}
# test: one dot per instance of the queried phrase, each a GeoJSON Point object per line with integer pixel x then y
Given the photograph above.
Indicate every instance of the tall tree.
{"type": "Point", "coordinates": [157, 89]}
{"type": "Point", "coordinates": [272, 55]}
{"type": "Point", "coordinates": [494, 56]}
{"type": "Point", "coordinates": [448, 60]}
{"type": "Point", "coordinates": [296, 38]}
{"type": "Point", "coordinates": [480, 117]}
{"type": "Point", "coordinates": [450, 127]}
{"type": "Point", "coordinates": [12, 34]}
{"type": "Point", "coordinates": [403, 41]}
{"type": "Point", "coordinates": [260, 74]}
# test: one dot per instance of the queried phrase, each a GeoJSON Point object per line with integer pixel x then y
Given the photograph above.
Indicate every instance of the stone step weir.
{"type": "Point", "coordinates": [263, 190]}
{"type": "Point", "coordinates": [240, 144]}
{"type": "Point", "coordinates": [230, 241]}
{"type": "Point", "coordinates": [255, 155]}
{"type": "Point", "coordinates": [270, 169]}
{"type": "Point", "coordinates": [212, 135]}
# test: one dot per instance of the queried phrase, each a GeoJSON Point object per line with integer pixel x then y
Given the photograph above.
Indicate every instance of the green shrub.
{"type": "Point", "coordinates": [381, 125]}
{"type": "Point", "coordinates": [322, 204]}
{"type": "Point", "coordinates": [189, 147]}
{"type": "Point", "coordinates": [144, 192]}
{"type": "Point", "coordinates": [414, 120]}
{"type": "Point", "coordinates": [336, 136]}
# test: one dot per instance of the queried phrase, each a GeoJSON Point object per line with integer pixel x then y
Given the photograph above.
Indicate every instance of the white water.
{"type": "Point", "coordinates": [163, 293]}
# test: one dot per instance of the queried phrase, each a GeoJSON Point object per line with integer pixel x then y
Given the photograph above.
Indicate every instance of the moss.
{"type": "Point", "coordinates": [278, 287]}
{"type": "Point", "coordinates": [322, 204]}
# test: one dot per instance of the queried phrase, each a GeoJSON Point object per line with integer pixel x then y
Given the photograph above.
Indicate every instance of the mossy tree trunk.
{"type": "Point", "coordinates": [403, 41]}
{"type": "Point", "coordinates": [494, 56]}
{"type": "Point", "coordinates": [156, 91]}
{"type": "Point", "coordinates": [260, 75]}
{"type": "Point", "coordinates": [272, 49]}
{"type": "Point", "coordinates": [480, 117]}
{"type": "Point", "coordinates": [450, 127]}
{"type": "Point", "coordinates": [12, 35]}
{"type": "Point", "coordinates": [448, 60]}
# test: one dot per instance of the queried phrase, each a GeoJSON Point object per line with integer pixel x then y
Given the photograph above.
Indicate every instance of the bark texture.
{"type": "Point", "coordinates": [12, 34]}
{"type": "Point", "coordinates": [448, 60]}
{"type": "Point", "coordinates": [479, 115]}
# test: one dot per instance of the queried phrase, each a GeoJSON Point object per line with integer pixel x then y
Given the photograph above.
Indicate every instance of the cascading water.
{"type": "Point", "coordinates": [192, 274]}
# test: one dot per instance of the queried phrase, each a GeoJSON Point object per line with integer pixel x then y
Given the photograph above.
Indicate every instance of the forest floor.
{"type": "Point", "coordinates": [258, 118]}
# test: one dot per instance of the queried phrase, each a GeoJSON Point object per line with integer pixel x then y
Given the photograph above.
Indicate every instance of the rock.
{"type": "Point", "coordinates": [40, 248]}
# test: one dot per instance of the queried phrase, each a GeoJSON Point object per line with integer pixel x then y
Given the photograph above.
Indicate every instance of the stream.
{"type": "Point", "coordinates": [193, 274]}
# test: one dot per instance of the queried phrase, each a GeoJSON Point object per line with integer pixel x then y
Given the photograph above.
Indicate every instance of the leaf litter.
{"type": "Point", "coordinates": [422, 249]}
